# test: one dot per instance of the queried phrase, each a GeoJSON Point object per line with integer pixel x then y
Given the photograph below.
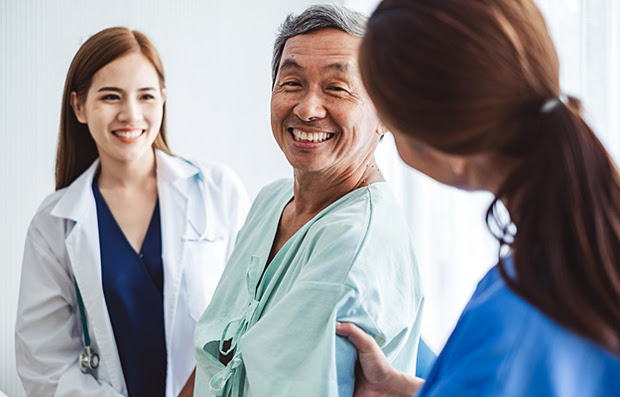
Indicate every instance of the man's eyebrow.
{"type": "Point", "coordinates": [289, 64]}
{"type": "Point", "coordinates": [338, 66]}
{"type": "Point", "coordinates": [341, 67]}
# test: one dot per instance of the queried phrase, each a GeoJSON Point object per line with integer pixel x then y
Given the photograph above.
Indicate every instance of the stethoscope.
{"type": "Point", "coordinates": [88, 359]}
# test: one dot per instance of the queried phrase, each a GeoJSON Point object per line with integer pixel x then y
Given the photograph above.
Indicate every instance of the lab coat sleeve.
{"type": "Point", "coordinates": [294, 349]}
{"type": "Point", "coordinates": [232, 203]}
{"type": "Point", "coordinates": [239, 206]}
{"type": "Point", "coordinates": [48, 338]}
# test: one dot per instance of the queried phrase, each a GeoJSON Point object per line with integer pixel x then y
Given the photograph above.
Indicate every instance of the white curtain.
{"type": "Point", "coordinates": [587, 36]}
{"type": "Point", "coordinates": [453, 246]}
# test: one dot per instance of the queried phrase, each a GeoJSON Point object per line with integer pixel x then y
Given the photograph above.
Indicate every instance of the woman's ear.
{"type": "Point", "coordinates": [458, 164]}
{"type": "Point", "coordinates": [163, 95]}
{"type": "Point", "coordinates": [381, 129]}
{"type": "Point", "coordinates": [78, 108]}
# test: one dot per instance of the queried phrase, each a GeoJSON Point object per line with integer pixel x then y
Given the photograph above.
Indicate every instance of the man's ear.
{"type": "Point", "coordinates": [78, 108]}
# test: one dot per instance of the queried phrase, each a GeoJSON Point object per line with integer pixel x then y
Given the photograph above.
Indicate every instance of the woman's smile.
{"type": "Point", "coordinates": [128, 135]}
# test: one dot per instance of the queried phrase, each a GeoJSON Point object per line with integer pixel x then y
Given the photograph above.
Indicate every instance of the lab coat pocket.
{"type": "Point", "coordinates": [205, 262]}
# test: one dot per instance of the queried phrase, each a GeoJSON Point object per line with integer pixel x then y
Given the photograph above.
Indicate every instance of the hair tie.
{"type": "Point", "coordinates": [552, 103]}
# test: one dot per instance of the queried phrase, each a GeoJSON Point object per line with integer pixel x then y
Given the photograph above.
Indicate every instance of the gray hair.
{"type": "Point", "coordinates": [314, 18]}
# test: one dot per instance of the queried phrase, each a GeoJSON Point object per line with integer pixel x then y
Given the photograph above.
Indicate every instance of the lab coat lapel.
{"type": "Point", "coordinates": [82, 243]}
{"type": "Point", "coordinates": [175, 189]}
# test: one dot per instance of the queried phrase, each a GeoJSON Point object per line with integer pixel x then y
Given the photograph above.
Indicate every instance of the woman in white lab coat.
{"type": "Point", "coordinates": [129, 223]}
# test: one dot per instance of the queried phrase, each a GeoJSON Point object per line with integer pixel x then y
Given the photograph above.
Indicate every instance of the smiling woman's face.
{"type": "Point", "coordinates": [321, 115]}
{"type": "Point", "coordinates": [123, 108]}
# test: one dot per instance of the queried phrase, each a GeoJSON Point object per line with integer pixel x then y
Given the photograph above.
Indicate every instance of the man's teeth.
{"type": "Point", "coordinates": [311, 136]}
{"type": "Point", "coordinates": [128, 134]}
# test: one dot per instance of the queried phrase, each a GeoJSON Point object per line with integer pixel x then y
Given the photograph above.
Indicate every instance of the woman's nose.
{"type": "Point", "coordinates": [130, 111]}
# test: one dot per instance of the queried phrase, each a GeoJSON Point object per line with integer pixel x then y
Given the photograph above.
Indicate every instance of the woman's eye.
{"type": "Point", "coordinates": [147, 97]}
{"type": "Point", "coordinates": [110, 97]}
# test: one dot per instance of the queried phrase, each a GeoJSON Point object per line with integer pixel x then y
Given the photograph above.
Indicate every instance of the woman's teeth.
{"type": "Point", "coordinates": [310, 136]}
{"type": "Point", "coordinates": [128, 134]}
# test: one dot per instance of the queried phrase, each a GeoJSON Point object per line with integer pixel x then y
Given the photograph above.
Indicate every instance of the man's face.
{"type": "Point", "coordinates": [321, 115]}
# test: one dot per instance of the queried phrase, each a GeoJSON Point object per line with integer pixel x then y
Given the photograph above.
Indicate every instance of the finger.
{"type": "Point", "coordinates": [363, 342]}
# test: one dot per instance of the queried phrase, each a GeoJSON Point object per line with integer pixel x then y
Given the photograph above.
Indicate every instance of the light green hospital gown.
{"type": "Point", "coordinates": [352, 262]}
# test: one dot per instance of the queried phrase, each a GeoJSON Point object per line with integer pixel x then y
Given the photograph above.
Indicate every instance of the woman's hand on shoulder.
{"type": "Point", "coordinates": [374, 376]}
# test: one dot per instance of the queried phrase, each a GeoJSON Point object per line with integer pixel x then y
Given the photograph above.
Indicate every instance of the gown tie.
{"type": "Point", "coordinates": [233, 332]}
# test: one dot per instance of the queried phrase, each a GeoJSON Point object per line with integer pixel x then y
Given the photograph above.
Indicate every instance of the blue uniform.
{"type": "Point", "coordinates": [352, 262]}
{"type": "Point", "coordinates": [503, 346]}
{"type": "Point", "coordinates": [133, 285]}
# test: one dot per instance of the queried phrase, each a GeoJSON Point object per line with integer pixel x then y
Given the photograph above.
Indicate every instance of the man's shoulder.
{"type": "Point", "coordinates": [277, 187]}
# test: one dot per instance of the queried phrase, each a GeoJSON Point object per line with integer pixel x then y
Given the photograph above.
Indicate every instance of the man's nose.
{"type": "Point", "coordinates": [310, 107]}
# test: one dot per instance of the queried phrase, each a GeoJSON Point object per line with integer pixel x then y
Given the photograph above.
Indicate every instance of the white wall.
{"type": "Point", "coordinates": [216, 56]}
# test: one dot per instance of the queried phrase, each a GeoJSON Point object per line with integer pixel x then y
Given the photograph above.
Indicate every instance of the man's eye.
{"type": "Point", "coordinates": [291, 84]}
{"type": "Point", "coordinates": [335, 88]}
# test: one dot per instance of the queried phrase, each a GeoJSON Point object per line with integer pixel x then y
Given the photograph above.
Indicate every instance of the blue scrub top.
{"type": "Point", "coordinates": [504, 346]}
{"type": "Point", "coordinates": [133, 288]}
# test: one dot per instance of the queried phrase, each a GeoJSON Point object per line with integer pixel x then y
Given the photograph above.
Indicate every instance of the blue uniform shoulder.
{"type": "Point", "coordinates": [502, 345]}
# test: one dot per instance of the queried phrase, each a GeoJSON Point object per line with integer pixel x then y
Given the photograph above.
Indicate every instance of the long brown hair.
{"type": "Point", "coordinates": [76, 147]}
{"type": "Point", "coordinates": [471, 77]}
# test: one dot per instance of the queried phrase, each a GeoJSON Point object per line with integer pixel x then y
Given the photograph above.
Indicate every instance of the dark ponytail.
{"type": "Point", "coordinates": [566, 194]}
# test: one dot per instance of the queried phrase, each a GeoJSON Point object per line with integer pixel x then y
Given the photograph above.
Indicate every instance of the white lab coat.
{"type": "Point", "coordinates": [63, 242]}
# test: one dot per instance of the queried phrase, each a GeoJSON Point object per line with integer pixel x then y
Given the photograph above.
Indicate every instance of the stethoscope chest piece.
{"type": "Point", "coordinates": [89, 360]}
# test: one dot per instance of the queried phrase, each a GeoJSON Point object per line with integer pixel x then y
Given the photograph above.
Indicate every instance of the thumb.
{"type": "Point", "coordinates": [362, 341]}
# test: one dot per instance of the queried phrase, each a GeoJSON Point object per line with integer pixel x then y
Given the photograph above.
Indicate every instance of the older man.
{"type": "Point", "coordinates": [329, 245]}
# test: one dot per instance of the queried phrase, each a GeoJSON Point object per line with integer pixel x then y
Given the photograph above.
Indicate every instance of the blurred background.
{"type": "Point", "coordinates": [217, 57]}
